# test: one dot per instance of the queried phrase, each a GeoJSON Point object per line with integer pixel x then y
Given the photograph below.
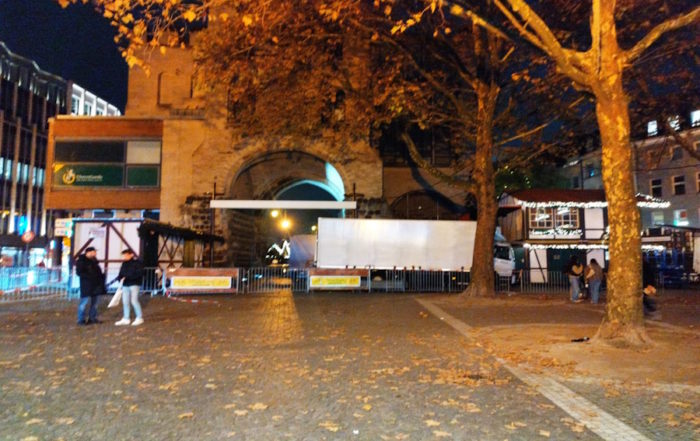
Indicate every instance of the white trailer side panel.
{"type": "Point", "coordinates": [389, 243]}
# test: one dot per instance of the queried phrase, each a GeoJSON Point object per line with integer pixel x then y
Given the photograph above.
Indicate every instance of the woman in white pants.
{"type": "Point", "coordinates": [130, 275]}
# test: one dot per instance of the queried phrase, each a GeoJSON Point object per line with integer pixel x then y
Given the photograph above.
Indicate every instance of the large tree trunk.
{"type": "Point", "coordinates": [624, 321]}
{"type": "Point", "coordinates": [482, 272]}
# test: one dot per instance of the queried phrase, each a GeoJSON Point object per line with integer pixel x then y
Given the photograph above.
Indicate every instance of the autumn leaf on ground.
{"type": "Point", "coordinates": [329, 426]}
{"type": "Point", "coordinates": [67, 421]}
{"type": "Point", "coordinates": [210, 386]}
{"type": "Point", "coordinates": [241, 412]}
{"type": "Point", "coordinates": [258, 406]}
{"type": "Point", "coordinates": [431, 423]}
{"type": "Point", "coordinates": [577, 428]}
{"type": "Point", "coordinates": [367, 407]}
{"type": "Point", "coordinates": [230, 406]}
{"type": "Point", "coordinates": [544, 433]}
{"type": "Point", "coordinates": [441, 434]}
{"type": "Point", "coordinates": [34, 421]}
{"type": "Point", "coordinates": [182, 416]}
{"type": "Point", "coordinates": [515, 425]}
{"type": "Point", "coordinates": [679, 404]}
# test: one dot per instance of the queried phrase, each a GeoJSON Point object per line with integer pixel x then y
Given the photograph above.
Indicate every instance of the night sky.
{"type": "Point", "coordinates": [74, 43]}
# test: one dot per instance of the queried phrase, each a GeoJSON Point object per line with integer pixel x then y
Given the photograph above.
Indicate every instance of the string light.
{"type": "Point", "coordinates": [584, 246]}
{"type": "Point", "coordinates": [556, 232]}
{"type": "Point", "coordinates": [647, 202]}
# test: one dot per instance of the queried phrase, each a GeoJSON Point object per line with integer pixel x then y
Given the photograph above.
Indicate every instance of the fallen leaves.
{"type": "Point", "coordinates": [431, 423]}
{"type": "Point", "coordinates": [186, 415]}
{"type": "Point", "coordinates": [258, 406]}
{"type": "Point", "coordinates": [679, 404]}
{"type": "Point", "coordinates": [330, 426]}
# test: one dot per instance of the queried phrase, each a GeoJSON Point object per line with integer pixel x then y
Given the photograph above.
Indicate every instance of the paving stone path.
{"type": "Point", "coordinates": [268, 367]}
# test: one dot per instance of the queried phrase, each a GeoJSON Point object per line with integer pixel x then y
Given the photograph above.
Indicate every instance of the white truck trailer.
{"type": "Point", "coordinates": [398, 244]}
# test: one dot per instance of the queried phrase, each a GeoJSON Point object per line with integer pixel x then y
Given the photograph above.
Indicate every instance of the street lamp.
{"type": "Point", "coordinates": [275, 213]}
{"type": "Point", "coordinates": [313, 227]}
{"type": "Point", "coordinates": [285, 224]}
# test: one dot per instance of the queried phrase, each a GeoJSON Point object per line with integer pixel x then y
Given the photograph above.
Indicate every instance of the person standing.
{"type": "Point", "coordinates": [594, 277]}
{"type": "Point", "coordinates": [92, 284]}
{"type": "Point", "coordinates": [574, 270]}
{"type": "Point", "coordinates": [130, 276]}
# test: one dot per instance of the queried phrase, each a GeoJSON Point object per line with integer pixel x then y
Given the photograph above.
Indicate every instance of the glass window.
{"type": "Point", "coordinates": [74, 106]}
{"type": "Point", "coordinates": [575, 182]}
{"type": "Point", "coordinates": [541, 218]}
{"type": "Point", "coordinates": [656, 186]}
{"type": "Point", "coordinates": [652, 128]}
{"type": "Point", "coordinates": [657, 218]}
{"type": "Point", "coordinates": [675, 122]}
{"type": "Point", "coordinates": [87, 109]}
{"type": "Point", "coordinates": [680, 217]}
{"type": "Point", "coordinates": [676, 153]}
{"type": "Point", "coordinates": [679, 185]}
{"type": "Point", "coordinates": [567, 218]}
{"type": "Point", "coordinates": [8, 169]}
{"type": "Point", "coordinates": [143, 152]}
{"type": "Point", "coordinates": [695, 118]}
{"type": "Point", "coordinates": [89, 151]}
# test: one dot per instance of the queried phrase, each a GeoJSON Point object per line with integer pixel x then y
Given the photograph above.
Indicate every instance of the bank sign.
{"type": "Point", "coordinates": [97, 175]}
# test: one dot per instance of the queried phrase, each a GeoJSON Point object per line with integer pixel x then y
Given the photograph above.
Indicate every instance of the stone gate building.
{"type": "Point", "coordinates": [174, 148]}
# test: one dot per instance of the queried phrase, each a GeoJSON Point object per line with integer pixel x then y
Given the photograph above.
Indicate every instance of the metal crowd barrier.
{"type": "Point", "coordinates": [29, 283]}
{"type": "Point", "coordinates": [543, 281]}
{"type": "Point", "coordinates": [399, 280]}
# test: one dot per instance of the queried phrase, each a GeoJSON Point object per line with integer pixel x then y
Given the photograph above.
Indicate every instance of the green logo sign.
{"type": "Point", "coordinates": [98, 175]}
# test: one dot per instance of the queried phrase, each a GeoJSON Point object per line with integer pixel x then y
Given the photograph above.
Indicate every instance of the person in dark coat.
{"type": "Point", "coordinates": [92, 284]}
{"type": "Point", "coordinates": [649, 289]}
{"type": "Point", "coordinates": [130, 276]}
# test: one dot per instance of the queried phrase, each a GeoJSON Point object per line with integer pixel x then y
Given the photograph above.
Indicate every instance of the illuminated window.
{"type": "Point", "coordinates": [541, 218]}
{"type": "Point", "coordinates": [675, 122]}
{"type": "Point", "coordinates": [652, 128]}
{"type": "Point", "coordinates": [656, 186]}
{"type": "Point", "coordinates": [657, 218]}
{"type": "Point", "coordinates": [695, 118]}
{"type": "Point", "coordinates": [680, 217]}
{"type": "Point", "coordinates": [678, 185]}
{"type": "Point", "coordinates": [567, 218]}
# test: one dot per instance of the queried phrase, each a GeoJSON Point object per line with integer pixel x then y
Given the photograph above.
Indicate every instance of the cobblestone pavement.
{"type": "Point", "coordinates": [272, 367]}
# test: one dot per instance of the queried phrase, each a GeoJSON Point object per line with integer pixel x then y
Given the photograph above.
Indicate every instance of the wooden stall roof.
{"type": "Point", "coordinates": [149, 225]}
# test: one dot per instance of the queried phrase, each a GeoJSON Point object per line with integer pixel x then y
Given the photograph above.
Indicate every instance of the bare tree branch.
{"type": "Point", "coordinates": [631, 54]}
{"type": "Point", "coordinates": [434, 171]}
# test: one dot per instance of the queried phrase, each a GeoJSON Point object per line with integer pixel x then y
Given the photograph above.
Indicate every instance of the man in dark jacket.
{"type": "Point", "coordinates": [130, 276]}
{"type": "Point", "coordinates": [92, 284]}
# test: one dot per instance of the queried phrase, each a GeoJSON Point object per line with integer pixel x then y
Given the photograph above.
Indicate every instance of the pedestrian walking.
{"type": "Point", "coordinates": [130, 276]}
{"type": "Point", "coordinates": [92, 284]}
{"type": "Point", "coordinates": [594, 277]}
{"type": "Point", "coordinates": [574, 270]}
